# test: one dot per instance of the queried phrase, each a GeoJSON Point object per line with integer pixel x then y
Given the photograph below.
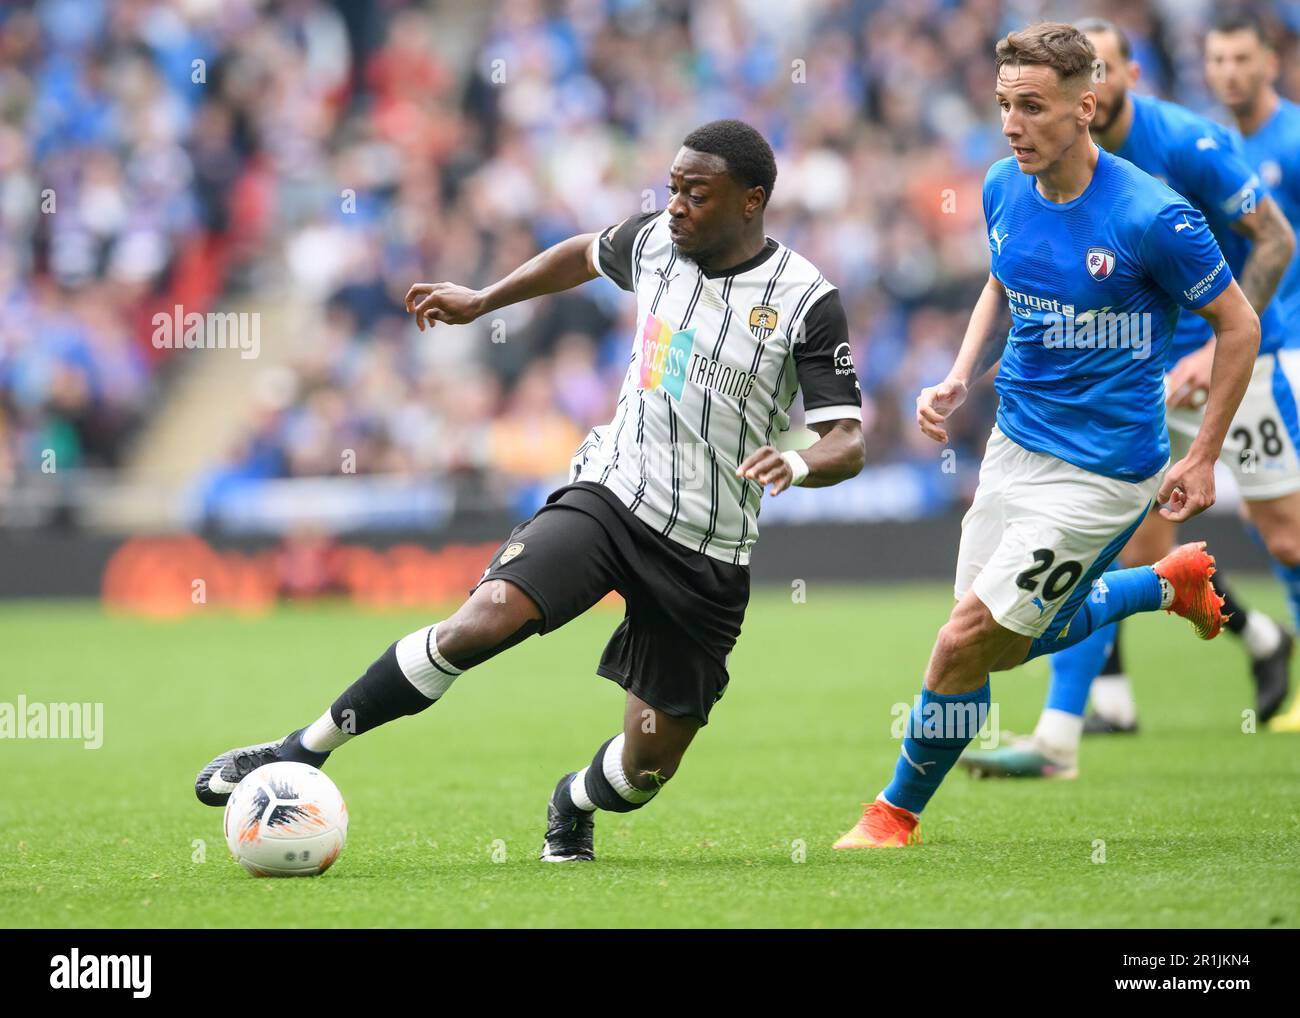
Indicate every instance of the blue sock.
{"type": "Point", "coordinates": [938, 729]}
{"type": "Point", "coordinates": [1117, 595]}
{"type": "Point", "coordinates": [1290, 578]}
{"type": "Point", "coordinates": [1074, 668]}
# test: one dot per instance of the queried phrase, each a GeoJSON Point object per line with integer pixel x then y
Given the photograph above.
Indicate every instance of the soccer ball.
{"type": "Point", "coordinates": [286, 820]}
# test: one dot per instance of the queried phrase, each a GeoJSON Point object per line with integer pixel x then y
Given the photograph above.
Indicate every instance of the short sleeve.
{"type": "Point", "coordinates": [1182, 256]}
{"type": "Point", "coordinates": [614, 250]}
{"type": "Point", "coordinates": [824, 363]}
{"type": "Point", "coordinates": [1218, 175]}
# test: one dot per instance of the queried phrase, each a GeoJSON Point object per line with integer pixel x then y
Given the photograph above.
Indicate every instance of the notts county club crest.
{"type": "Point", "coordinates": [1100, 262]}
{"type": "Point", "coordinates": [762, 320]}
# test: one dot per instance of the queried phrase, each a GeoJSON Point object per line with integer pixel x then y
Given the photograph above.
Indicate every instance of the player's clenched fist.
{"type": "Point", "coordinates": [766, 466]}
{"type": "Point", "coordinates": [934, 405]}
{"type": "Point", "coordinates": [1187, 489]}
{"type": "Point", "coordinates": [448, 303]}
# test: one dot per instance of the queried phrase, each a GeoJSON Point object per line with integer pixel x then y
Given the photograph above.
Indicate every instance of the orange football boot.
{"type": "Point", "coordinates": [1188, 570]}
{"type": "Point", "coordinates": [882, 826]}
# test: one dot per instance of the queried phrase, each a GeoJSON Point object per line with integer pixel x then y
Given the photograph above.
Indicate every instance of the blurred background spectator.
{"type": "Point", "coordinates": [230, 153]}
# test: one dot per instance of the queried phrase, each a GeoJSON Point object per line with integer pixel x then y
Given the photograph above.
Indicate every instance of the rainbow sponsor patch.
{"type": "Point", "coordinates": [665, 356]}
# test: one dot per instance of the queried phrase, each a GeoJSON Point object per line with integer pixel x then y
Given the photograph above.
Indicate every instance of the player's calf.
{"type": "Point", "coordinates": [953, 707]}
{"type": "Point", "coordinates": [416, 671]}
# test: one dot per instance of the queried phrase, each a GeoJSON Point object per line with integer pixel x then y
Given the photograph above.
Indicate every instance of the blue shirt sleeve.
{"type": "Point", "coordinates": [1180, 253]}
{"type": "Point", "coordinates": [1217, 175]}
{"type": "Point", "coordinates": [984, 194]}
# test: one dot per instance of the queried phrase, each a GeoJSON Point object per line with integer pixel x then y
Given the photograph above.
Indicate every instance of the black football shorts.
{"type": "Point", "coordinates": [684, 609]}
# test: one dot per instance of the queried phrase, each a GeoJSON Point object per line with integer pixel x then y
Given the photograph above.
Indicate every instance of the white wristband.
{"type": "Point", "coordinates": [797, 464]}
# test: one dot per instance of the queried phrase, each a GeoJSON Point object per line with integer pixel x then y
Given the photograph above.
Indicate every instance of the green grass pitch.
{"type": "Point", "coordinates": [1200, 821]}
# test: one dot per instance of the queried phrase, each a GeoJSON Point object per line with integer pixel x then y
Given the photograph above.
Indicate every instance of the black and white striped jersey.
{"type": "Point", "coordinates": [717, 360]}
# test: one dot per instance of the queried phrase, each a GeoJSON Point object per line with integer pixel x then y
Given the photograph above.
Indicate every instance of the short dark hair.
{"type": "Point", "coordinates": [748, 156]}
{"type": "Point", "coordinates": [1098, 26]}
{"type": "Point", "coordinates": [1242, 21]}
{"type": "Point", "coordinates": [1052, 44]}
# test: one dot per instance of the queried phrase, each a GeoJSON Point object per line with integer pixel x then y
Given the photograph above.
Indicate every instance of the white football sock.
{"type": "Point", "coordinates": [1112, 698]}
{"type": "Point", "coordinates": [612, 764]}
{"type": "Point", "coordinates": [426, 669]}
{"type": "Point", "coordinates": [1058, 733]}
{"type": "Point", "coordinates": [1166, 593]}
{"type": "Point", "coordinates": [323, 735]}
{"type": "Point", "coordinates": [1262, 635]}
{"type": "Point", "coordinates": [578, 791]}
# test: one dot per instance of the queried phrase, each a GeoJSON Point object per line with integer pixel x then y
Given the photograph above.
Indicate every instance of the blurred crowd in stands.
{"type": "Point", "coordinates": [216, 153]}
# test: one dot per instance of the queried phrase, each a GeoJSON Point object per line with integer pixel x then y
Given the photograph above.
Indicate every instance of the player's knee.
{"type": "Point", "coordinates": [971, 626]}
{"type": "Point", "coordinates": [969, 645]}
{"type": "Point", "coordinates": [955, 648]}
{"type": "Point", "coordinates": [948, 643]}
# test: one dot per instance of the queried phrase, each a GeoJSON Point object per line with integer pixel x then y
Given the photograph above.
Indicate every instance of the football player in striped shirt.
{"type": "Point", "coordinates": [662, 503]}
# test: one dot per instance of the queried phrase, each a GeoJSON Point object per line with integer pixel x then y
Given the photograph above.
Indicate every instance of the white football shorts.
{"type": "Point", "coordinates": [1261, 446]}
{"type": "Point", "coordinates": [1040, 532]}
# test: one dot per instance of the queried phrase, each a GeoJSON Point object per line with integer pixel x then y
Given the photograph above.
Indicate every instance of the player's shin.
{"type": "Point", "coordinates": [938, 729]}
{"type": "Point", "coordinates": [411, 675]}
{"type": "Point", "coordinates": [1117, 595]}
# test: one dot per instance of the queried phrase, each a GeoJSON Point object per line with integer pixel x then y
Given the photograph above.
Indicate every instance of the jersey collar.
{"type": "Point", "coordinates": [1103, 166]}
{"type": "Point", "coordinates": [768, 249]}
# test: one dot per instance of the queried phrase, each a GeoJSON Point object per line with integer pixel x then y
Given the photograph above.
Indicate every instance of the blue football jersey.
{"type": "Point", "coordinates": [1203, 162]}
{"type": "Point", "coordinates": [1274, 152]}
{"type": "Point", "coordinates": [1094, 285]}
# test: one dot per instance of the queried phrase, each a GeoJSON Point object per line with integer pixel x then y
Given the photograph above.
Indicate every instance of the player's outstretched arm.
{"type": "Point", "coordinates": [561, 267]}
{"type": "Point", "coordinates": [1272, 248]}
{"type": "Point", "coordinates": [979, 352]}
{"type": "Point", "coordinates": [1188, 488]}
{"type": "Point", "coordinates": [839, 454]}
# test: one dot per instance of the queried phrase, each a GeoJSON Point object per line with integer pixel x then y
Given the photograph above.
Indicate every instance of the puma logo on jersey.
{"type": "Point", "coordinates": [1184, 225]}
{"type": "Point", "coordinates": [993, 236]}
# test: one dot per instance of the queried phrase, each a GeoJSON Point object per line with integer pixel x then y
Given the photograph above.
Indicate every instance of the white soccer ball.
{"type": "Point", "coordinates": [286, 820]}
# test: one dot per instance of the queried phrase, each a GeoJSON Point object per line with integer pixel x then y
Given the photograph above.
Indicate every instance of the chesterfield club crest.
{"type": "Point", "coordinates": [1100, 262]}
